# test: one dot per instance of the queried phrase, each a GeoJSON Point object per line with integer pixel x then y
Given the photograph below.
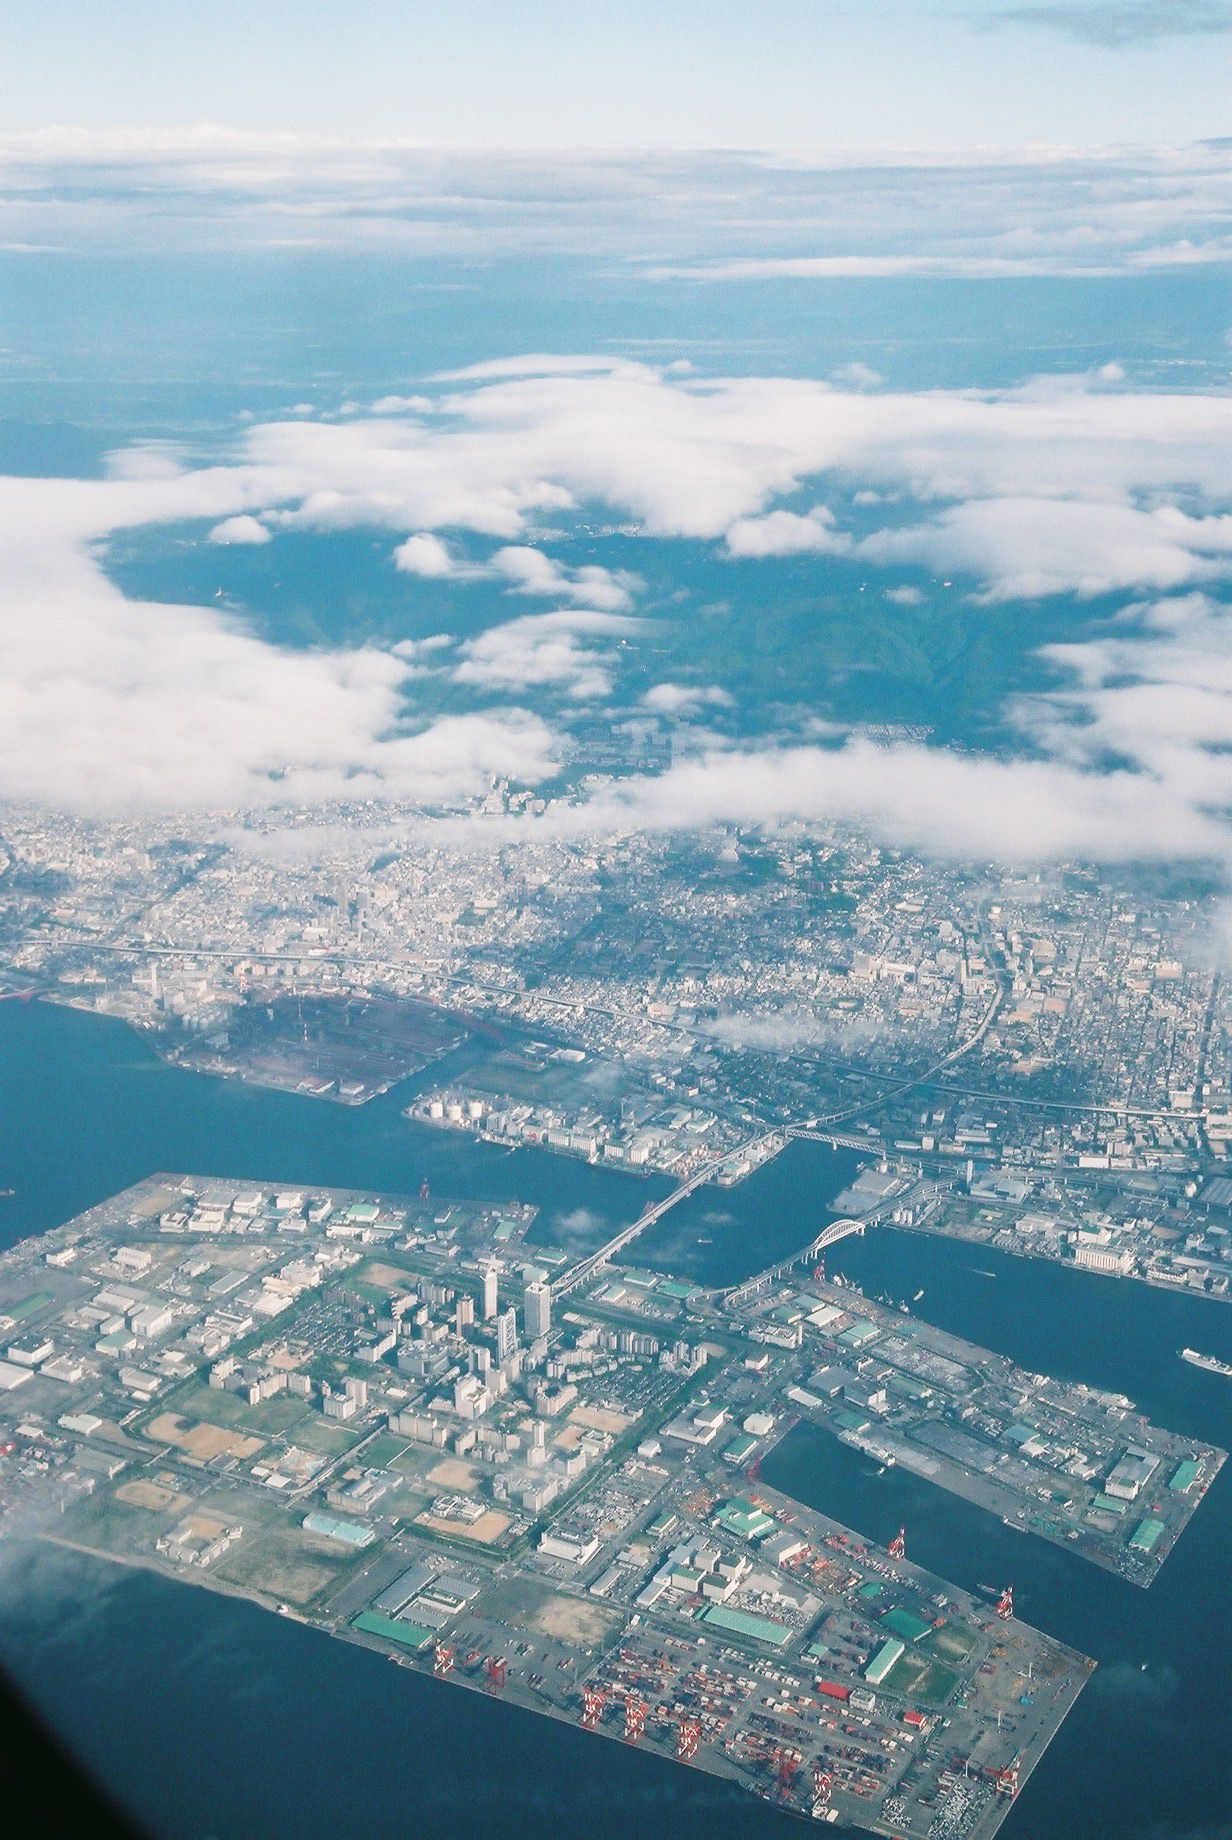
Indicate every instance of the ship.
{"type": "Point", "coordinates": [1206, 1361]}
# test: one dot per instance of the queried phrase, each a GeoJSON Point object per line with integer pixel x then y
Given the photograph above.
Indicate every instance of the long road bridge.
{"type": "Point", "coordinates": [735, 1296]}
{"type": "Point", "coordinates": [842, 1140]}
{"type": "Point", "coordinates": [587, 1267]}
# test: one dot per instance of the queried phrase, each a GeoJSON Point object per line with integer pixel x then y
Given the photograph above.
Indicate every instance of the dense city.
{"type": "Point", "coordinates": [1048, 1055]}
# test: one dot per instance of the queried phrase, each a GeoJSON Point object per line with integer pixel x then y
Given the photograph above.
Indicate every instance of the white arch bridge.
{"type": "Point", "coordinates": [735, 1296]}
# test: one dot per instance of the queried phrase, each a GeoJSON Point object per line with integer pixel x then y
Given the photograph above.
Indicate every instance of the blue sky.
{"type": "Point", "coordinates": [689, 73]}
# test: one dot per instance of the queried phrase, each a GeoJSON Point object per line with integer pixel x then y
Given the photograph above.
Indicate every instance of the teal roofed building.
{"type": "Point", "coordinates": [326, 1527]}
{"type": "Point", "coordinates": [746, 1623]}
{"type": "Point", "coordinates": [407, 1635]}
{"type": "Point", "coordinates": [744, 1518]}
{"type": "Point", "coordinates": [884, 1660]}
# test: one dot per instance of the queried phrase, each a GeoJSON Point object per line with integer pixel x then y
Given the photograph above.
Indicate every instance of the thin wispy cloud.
{"type": "Point", "coordinates": [875, 214]}
{"type": "Point", "coordinates": [1126, 22]}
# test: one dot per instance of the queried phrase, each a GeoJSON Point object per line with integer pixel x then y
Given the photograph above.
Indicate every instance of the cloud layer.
{"type": "Point", "coordinates": [725, 215]}
{"type": "Point", "coordinates": [1076, 486]}
{"type": "Point", "coordinates": [1063, 485]}
{"type": "Point", "coordinates": [109, 704]}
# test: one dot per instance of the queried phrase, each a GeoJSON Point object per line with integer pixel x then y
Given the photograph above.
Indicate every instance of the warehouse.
{"type": "Point", "coordinates": [409, 1635]}
{"type": "Point", "coordinates": [884, 1660]}
{"type": "Point", "coordinates": [746, 1623]}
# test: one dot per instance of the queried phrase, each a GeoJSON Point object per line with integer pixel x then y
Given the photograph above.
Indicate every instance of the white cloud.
{"type": "Point", "coordinates": [110, 703]}
{"type": "Point", "coordinates": [858, 375]}
{"type": "Point", "coordinates": [928, 799]}
{"type": "Point", "coordinates": [525, 570]}
{"type": "Point", "coordinates": [529, 571]}
{"type": "Point", "coordinates": [402, 405]}
{"type": "Point", "coordinates": [1156, 696]}
{"type": "Point", "coordinates": [146, 460]}
{"type": "Point", "coordinates": [923, 265]}
{"type": "Point", "coordinates": [1156, 692]}
{"type": "Point", "coordinates": [1075, 485]}
{"type": "Point", "coordinates": [708, 458]}
{"type": "Point", "coordinates": [786, 533]}
{"type": "Point", "coordinates": [547, 651]}
{"type": "Point", "coordinates": [241, 529]}
{"type": "Point", "coordinates": [684, 700]}
{"type": "Point", "coordinates": [1032, 211]}
{"type": "Point", "coordinates": [1027, 547]}
{"type": "Point", "coordinates": [425, 554]}
{"type": "Point", "coordinates": [539, 364]}
{"type": "Point", "coordinates": [784, 1031]}
{"type": "Point", "coordinates": [419, 652]}
{"type": "Point", "coordinates": [850, 267]}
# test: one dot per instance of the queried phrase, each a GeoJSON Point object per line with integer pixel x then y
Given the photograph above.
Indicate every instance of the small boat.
{"type": "Point", "coordinates": [1206, 1362]}
{"type": "Point", "coordinates": [917, 1297]}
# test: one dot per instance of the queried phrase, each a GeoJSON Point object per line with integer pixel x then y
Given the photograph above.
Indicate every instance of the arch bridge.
{"type": "Point", "coordinates": [737, 1295]}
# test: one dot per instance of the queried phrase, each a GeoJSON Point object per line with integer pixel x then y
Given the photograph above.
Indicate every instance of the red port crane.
{"type": "Point", "coordinates": [496, 1672]}
{"type": "Point", "coordinates": [442, 1659]}
{"type": "Point", "coordinates": [786, 1769]}
{"type": "Point", "coordinates": [1005, 1603]}
{"type": "Point", "coordinates": [897, 1548]}
{"type": "Point", "coordinates": [593, 1700]}
{"type": "Point", "coordinates": [688, 1738]}
{"type": "Point", "coordinates": [1005, 1781]}
{"type": "Point", "coordinates": [823, 1786]}
{"type": "Point", "coordinates": [635, 1719]}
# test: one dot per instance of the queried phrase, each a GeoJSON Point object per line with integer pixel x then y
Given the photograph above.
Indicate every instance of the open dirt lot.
{"type": "Point", "coordinates": [571, 1621]}
{"type": "Point", "coordinates": [486, 1530]}
{"type": "Point", "coordinates": [388, 1277]}
{"type": "Point", "coordinates": [143, 1494]}
{"type": "Point", "coordinates": [203, 1440]}
{"type": "Point", "coordinates": [594, 1418]}
{"type": "Point", "coordinates": [283, 1564]}
{"type": "Point", "coordinates": [454, 1474]}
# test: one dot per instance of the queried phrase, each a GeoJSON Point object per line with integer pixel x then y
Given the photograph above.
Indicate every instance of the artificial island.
{"type": "Point", "coordinates": [402, 1421]}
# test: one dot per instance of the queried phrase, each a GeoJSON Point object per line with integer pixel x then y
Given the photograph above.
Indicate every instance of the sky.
{"type": "Point", "coordinates": [804, 74]}
{"type": "Point", "coordinates": [564, 338]}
